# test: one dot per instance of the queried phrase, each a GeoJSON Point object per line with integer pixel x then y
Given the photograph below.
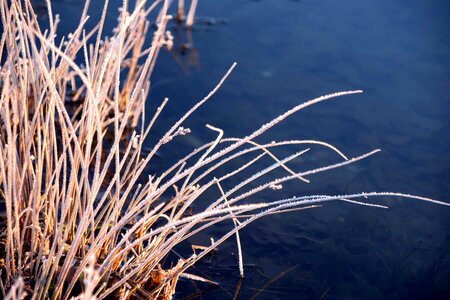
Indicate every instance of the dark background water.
{"type": "Point", "coordinates": [398, 52]}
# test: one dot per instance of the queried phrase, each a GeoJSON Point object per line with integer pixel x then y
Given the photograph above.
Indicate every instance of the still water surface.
{"type": "Point", "coordinates": [287, 52]}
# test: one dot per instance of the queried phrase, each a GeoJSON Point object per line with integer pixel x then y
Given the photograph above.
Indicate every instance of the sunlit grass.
{"type": "Point", "coordinates": [83, 219]}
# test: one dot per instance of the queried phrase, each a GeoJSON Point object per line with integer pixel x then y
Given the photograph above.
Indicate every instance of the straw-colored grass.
{"type": "Point", "coordinates": [82, 218]}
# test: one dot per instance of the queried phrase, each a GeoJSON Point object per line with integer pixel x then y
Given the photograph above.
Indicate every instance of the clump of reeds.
{"type": "Point", "coordinates": [189, 19]}
{"type": "Point", "coordinates": [81, 220]}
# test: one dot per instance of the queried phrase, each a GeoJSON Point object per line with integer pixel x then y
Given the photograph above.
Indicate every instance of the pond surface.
{"type": "Point", "coordinates": [287, 52]}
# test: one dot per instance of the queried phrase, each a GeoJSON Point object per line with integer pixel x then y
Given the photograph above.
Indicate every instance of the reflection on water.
{"type": "Point", "coordinates": [184, 52]}
{"type": "Point", "coordinates": [398, 52]}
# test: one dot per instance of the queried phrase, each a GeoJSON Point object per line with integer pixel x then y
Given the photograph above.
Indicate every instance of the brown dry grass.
{"type": "Point", "coordinates": [80, 220]}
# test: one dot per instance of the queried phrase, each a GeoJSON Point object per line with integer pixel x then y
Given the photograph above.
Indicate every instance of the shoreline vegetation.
{"type": "Point", "coordinates": [82, 219]}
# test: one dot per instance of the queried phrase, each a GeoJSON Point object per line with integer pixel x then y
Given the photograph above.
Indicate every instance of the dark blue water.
{"type": "Point", "coordinates": [398, 52]}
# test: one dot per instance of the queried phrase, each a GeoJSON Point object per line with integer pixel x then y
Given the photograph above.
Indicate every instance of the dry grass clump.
{"type": "Point", "coordinates": [80, 219]}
